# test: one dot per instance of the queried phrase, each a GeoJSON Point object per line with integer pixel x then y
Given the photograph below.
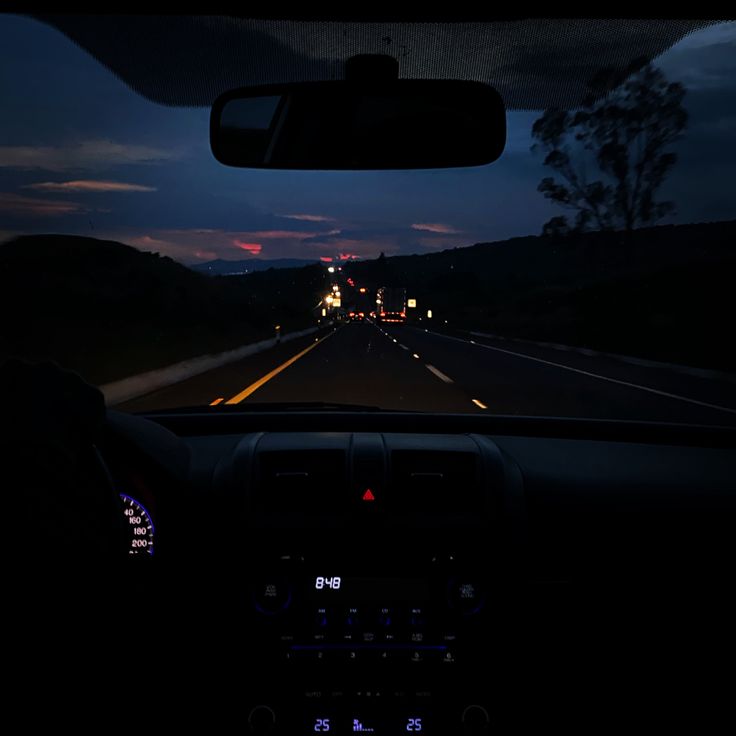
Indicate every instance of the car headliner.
{"type": "Point", "coordinates": [534, 63]}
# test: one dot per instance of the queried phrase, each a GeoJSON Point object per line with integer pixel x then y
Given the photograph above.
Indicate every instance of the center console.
{"type": "Point", "coordinates": [373, 581]}
{"type": "Point", "coordinates": [366, 648]}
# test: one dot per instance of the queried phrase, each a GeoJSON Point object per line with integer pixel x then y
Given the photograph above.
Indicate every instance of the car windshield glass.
{"type": "Point", "coordinates": [587, 273]}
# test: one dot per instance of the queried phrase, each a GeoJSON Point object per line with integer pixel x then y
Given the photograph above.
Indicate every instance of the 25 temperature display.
{"type": "Point", "coordinates": [321, 583]}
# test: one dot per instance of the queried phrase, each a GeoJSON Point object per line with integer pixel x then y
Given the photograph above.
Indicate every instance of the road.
{"type": "Point", "coordinates": [409, 368]}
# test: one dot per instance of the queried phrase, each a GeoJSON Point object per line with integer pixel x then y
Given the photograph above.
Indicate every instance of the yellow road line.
{"type": "Point", "coordinates": [245, 393]}
{"type": "Point", "coordinates": [217, 401]}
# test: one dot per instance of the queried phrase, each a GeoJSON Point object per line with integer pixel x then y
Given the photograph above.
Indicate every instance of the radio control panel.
{"type": "Point", "coordinates": [311, 613]}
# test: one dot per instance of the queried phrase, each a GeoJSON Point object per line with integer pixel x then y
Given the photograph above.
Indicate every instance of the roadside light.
{"type": "Point", "coordinates": [411, 303]}
{"type": "Point", "coordinates": [335, 287]}
{"type": "Point", "coordinates": [429, 314]}
{"type": "Point", "coordinates": [362, 290]}
{"type": "Point", "coordinates": [331, 269]}
{"type": "Point", "coordinates": [337, 294]}
{"type": "Point", "coordinates": [324, 312]}
{"type": "Point", "coordinates": [329, 299]}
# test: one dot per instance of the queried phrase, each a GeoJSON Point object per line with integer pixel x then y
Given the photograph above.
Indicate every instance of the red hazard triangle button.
{"type": "Point", "coordinates": [368, 495]}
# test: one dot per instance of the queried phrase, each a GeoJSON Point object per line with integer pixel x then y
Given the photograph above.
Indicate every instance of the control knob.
{"type": "Point", "coordinates": [476, 721]}
{"type": "Point", "coordinates": [261, 720]}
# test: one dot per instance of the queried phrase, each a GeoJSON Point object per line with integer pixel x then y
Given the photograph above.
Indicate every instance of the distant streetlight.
{"type": "Point", "coordinates": [331, 269]}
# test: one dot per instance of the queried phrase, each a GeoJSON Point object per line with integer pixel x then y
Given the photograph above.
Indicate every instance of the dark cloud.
{"type": "Point", "coordinates": [85, 186]}
{"type": "Point", "coordinates": [19, 206]}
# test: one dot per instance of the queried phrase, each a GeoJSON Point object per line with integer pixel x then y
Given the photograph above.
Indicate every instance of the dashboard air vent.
{"type": "Point", "coordinates": [312, 481]}
{"type": "Point", "coordinates": [435, 482]}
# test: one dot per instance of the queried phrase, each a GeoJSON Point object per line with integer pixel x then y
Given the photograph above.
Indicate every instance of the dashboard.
{"type": "Point", "coordinates": [406, 576]}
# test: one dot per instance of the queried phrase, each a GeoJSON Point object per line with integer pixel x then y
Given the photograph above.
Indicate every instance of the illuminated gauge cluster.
{"type": "Point", "coordinates": [139, 526]}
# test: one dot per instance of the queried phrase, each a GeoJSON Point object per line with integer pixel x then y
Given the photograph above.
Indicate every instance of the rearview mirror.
{"type": "Point", "coordinates": [394, 124]}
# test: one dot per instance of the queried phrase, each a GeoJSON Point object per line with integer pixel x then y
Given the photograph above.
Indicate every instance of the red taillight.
{"type": "Point", "coordinates": [403, 314]}
{"type": "Point", "coordinates": [383, 314]}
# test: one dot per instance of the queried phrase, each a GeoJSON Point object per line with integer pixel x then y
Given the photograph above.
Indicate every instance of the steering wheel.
{"type": "Point", "coordinates": [66, 520]}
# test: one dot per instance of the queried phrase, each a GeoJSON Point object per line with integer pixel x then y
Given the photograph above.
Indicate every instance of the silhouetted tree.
{"type": "Point", "coordinates": [624, 129]}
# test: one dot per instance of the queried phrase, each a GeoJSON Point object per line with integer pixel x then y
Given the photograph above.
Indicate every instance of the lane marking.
{"type": "Point", "coordinates": [666, 394]}
{"type": "Point", "coordinates": [246, 392]}
{"type": "Point", "coordinates": [403, 347]}
{"type": "Point", "coordinates": [415, 355]}
{"type": "Point", "coordinates": [217, 401]}
{"type": "Point", "coordinates": [479, 403]}
{"type": "Point", "coordinates": [438, 373]}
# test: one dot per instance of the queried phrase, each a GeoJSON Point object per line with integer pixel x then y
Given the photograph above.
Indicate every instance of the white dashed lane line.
{"type": "Point", "coordinates": [628, 384]}
{"type": "Point", "coordinates": [435, 371]}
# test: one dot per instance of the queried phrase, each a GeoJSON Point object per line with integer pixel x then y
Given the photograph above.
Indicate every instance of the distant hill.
{"type": "Point", "coordinates": [663, 292]}
{"type": "Point", "coordinates": [221, 267]}
{"type": "Point", "coordinates": [108, 310]}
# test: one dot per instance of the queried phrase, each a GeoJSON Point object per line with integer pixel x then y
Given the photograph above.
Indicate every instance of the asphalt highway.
{"type": "Point", "coordinates": [412, 369]}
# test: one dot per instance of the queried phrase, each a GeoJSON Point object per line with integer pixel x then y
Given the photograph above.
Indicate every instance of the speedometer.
{"type": "Point", "coordinates": [139, 526]}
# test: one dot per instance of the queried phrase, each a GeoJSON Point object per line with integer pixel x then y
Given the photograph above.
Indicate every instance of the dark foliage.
{"type": "Point", "coordinates": [625, 130]}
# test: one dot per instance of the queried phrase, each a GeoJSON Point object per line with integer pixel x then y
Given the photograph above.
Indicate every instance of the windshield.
{"type": "Point", "coordinates": [587, 273]}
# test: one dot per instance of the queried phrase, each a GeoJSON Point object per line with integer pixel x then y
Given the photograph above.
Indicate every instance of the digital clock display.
{"type": "Point", "coordinates": [360, 589]}
{"type": "Point", "coordinates": [322, 583]}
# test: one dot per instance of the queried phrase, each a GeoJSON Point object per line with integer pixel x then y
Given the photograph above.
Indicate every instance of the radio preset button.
{"type": "Point", "coordinates": [320, 618]}
{"type": "Point", "coordinates": [417, 617]}
{"type": "Point", "coordinates": [385, 618]}
{"type": "Point", "coordinates": [352, 619]}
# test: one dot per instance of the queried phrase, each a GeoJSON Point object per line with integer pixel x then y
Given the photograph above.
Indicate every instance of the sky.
{"type": "Point", "coordinates": [80, 153]}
